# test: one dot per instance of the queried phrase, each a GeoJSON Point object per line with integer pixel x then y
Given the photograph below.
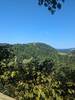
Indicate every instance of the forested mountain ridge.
{"type": "Point", "coordinates": [25, 77]}
{"type": "Point", "coordinates": [67, 56]}
{"type": "Point", "coordinates": [66, 50]}
{"type": "Point", "coordinates": [39, 50]}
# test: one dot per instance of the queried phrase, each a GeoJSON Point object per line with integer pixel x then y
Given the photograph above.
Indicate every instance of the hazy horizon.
{"type": "Point", "coordinates": [36, 42]}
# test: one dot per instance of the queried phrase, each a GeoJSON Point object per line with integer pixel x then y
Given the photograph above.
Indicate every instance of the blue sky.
{"type": "Point", "coordinates": [23, 21]}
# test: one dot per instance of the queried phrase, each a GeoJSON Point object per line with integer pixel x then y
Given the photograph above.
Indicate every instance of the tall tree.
{"type": "Point", "coordinates": [52, 5]}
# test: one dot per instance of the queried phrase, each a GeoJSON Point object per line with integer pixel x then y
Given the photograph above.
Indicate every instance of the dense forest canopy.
{"type": "Point", "coordinates": [29, 78]}
{"type": "Point", "coordinates": [36, 50]}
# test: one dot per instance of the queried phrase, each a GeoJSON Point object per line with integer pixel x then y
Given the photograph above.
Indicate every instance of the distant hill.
{"type": "Point", "coordinates": [72, 52]}
{"type": "Point", "coordinates": [66, 50]}
{"type": "Point", "coordinates": [39, 50]}
{"type": "Point", "coordinates": [67, 56]}
{"type": "Point", "coordinates": [4, 44]}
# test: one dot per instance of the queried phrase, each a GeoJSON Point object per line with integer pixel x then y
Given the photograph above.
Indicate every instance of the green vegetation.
{"type": "Point", "coordinates": [35, 50]}
{"type": "Point", "coordinates": [36, 71]}
{"type": "Point", "coordinates": [52, 5]}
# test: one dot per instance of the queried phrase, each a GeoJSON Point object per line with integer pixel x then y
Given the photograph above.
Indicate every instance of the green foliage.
{"type": "Point", "coordinates": [35, 50]}
{"type": "Point", "coordinates": [33, 78]}
{"type": "Point", "coordinates": [52, 5]}
{"type": "Point", "coordinates": [5, 52]}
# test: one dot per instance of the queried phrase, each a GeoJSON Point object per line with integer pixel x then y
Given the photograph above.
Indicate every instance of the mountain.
{"type": "Point", "coordinates": [67, 56]}
{"type": "Point", "coordinates": [4, 44]}
{"type": "Point", "coordinates": [39, 50]}
{"type": "Point", "coordinates": [66, 50]}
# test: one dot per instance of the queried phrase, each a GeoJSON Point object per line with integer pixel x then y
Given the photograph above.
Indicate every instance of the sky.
{"type": "Point", "coordinates": [24, 21]}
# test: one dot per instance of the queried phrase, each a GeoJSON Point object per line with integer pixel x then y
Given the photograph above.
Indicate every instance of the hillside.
{"type": "Point", "coordinates": [36, 79]}
{"type": "Point", "coordinates": [39, 50]}
{"type": "Point", "coordinates": [67, 56]}
{"type": "Point", "coordinates": [66, 50]}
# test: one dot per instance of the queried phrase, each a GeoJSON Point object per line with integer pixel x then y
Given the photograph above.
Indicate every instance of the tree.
{"type": "Point", "coordinates": [52, 5]}
{"type": "Point", "coordinates": [5, 52]}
